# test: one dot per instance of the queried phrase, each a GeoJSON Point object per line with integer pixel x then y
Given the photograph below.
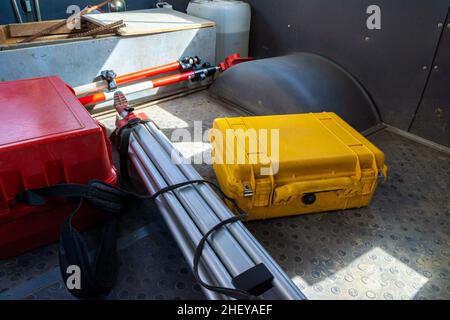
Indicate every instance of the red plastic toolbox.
{"type": "Point", "coordinates": [46, 137]}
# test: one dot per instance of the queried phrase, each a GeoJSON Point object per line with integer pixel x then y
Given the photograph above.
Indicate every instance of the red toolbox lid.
{"type": "Point", "coordinates": [37, 108]}
{"type": "Point", "coordinates": [47, 137]}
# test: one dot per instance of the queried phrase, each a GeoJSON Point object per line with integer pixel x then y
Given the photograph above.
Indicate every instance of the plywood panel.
{"type": "Point", "coordinates": [29, 29]}
{"type": "Point", "coordinates": [150, 21]}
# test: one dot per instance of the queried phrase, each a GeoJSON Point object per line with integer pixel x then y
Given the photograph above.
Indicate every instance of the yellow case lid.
{"type": "Point", "coordinates": [311, 146]}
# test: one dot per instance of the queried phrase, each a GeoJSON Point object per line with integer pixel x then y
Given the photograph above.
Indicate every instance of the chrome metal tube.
{"type": "Point", "coordinates": [182, 228]}
{"type": "Point", "coordinates": [16, 11]}
{"type": "Point", "coordinates": [195, 209]}
{"type": "Point", "coordinates": [182, 242]}
{"type": "Point", "coordinates": [283, 284]}
{"type": "Point", "coordinates": [37, 8]}
{"type": "Point", "coordinates": [227, 248]}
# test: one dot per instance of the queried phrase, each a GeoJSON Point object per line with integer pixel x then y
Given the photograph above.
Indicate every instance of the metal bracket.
{"type": "Point", "coordinates": [189, 63]}
{"type": "Point", "coordinates": [206, 71]}
{"type": "Point", "coordinates": [109, 76]}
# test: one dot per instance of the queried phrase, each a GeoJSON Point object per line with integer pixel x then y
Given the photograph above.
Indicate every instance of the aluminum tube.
{"type": "Point", "coordinates": [37, 8]}
{"type": "Point", "coordinates": [193, 235]}
{"type": "Point", "coordinates": [182, 241]}
{"type": "Point", "coordinates": [225, 245]}
{"type": "Point", "coordinates": [188, 227]}
{"type": "Point", "coordinates": [16, 11]}
{"type": "Point", "coordinates": [283, 283]}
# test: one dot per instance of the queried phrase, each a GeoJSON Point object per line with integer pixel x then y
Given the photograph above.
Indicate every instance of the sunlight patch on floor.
{"type": "Point", "coordinates": [374, 275]}
{"type": "Point", "coordinates": [196, 152]}
{"type": "Point", "coordinates": [163, 118]}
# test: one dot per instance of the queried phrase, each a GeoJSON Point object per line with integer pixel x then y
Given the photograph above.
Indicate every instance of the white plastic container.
{"type": "Point", "coordinates": [232, 20]}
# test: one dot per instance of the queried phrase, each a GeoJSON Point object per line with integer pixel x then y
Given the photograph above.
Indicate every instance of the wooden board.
{"type": "Point", "coordinates": [29, 29]}
{"type": "Point", "coordinates": [150, 21]}
{"type": "Point", "coordinates": [3, 34]}
{"type": "Point", "coordinates": [12, 34]}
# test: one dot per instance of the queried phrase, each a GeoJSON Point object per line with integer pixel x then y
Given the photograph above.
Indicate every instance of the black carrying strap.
{"type": "Point", "coordinates": [95, 277]}
{"type": "Point", "coordinates": [83, 277]}
{"type": "Point", "coordinates": [249, 284]}
{"type": "Point", "coordinates": [122, 136]}
{"type": "Point", "coordinates": [124, 141]}
{"type": "Point", "coordinates": [101, 195]}
{"type": "Point", "coordinates": [98, 277]}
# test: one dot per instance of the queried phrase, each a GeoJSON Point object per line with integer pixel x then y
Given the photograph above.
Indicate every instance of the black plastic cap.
{"type": "Point", "coordinates": [255, 280]}
{"type": "Point", "coordinates": [309, 198]}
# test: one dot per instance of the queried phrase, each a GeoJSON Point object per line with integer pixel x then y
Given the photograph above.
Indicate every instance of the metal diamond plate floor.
{"type": "Point", "coordinates": [397, 248]}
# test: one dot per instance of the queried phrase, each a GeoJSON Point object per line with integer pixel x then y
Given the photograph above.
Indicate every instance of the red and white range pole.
{"type": "Point", "coordinates": [187, 63]}
{"type": "Point", "coordinates": [196, 74]}
{"type": "Point", "coordinates": [145, 85]}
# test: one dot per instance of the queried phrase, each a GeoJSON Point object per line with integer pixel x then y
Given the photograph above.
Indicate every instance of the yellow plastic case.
{"type": "Point", "coordinates": [322, 164]}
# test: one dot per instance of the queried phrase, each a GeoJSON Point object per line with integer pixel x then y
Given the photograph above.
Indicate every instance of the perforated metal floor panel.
{"type": "Point", "coordinates": [151, 267]}
{"type": "Point", "coordinates": [397, 248]}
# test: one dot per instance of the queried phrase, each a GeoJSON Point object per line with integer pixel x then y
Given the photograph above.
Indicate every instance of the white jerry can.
{"type": "Point", "coordinates": [232, 20]}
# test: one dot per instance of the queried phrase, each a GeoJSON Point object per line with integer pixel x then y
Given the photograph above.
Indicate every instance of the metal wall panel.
{"type": "Point", "coordinates": [56, 9]}
{"type": "Point", "coordinates": [297, 83]}
{"type": "Point", "coordinates": [79, 62]}
{"type": "Point", "coordinates": [388, 62]}
{"type": "Point", "coordinates": [432, 120]}
{"type": "Point", "coordinates": [393, 63]}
